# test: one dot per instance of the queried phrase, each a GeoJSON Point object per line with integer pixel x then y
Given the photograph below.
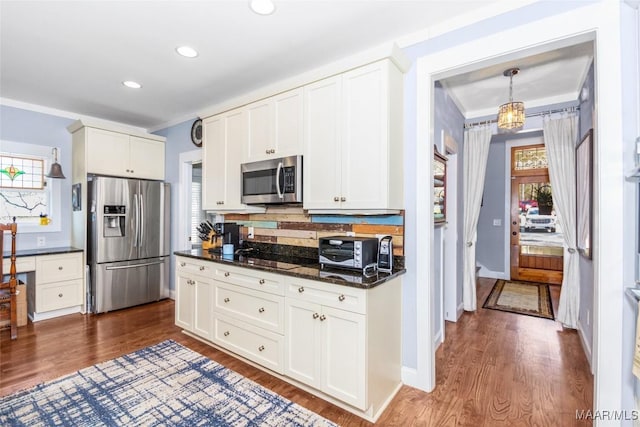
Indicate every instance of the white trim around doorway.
{"type": "Point", "coordinates": [186, 159]}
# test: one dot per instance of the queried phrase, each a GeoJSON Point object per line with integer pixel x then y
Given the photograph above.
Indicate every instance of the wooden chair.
{"type": "Point", "coordinates": [9, 290]}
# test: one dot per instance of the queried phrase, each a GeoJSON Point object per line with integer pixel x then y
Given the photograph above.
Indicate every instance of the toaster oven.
{"type": "Point", "coordinates": [355, 253]}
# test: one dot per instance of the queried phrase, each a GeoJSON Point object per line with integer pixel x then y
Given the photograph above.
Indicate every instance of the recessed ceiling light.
{"type": "Point", "coordinates": [262, 7]}
{"type": "Point", "coordinates": [132, 84]}
{"type": "Point", "coordinates": [187, 51]}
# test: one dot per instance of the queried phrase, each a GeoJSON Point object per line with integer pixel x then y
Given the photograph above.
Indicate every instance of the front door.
{"type": "Point", "coordinates": [536, 235]}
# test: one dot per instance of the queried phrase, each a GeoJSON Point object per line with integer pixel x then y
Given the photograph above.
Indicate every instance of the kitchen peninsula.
{"type": "Point", "coordinates": [334, 333]}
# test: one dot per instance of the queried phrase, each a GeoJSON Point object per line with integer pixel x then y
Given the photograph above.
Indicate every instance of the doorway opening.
{"type": "Point", "coordinates": [536, 252]}
{"type": "Point", "coordinates": [197, 214]}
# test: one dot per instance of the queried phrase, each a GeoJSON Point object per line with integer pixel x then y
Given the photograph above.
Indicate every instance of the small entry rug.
{"type": "Point", "coordinates": [532, 299]}
{"type": "Point", "coordinates": [162, 385]}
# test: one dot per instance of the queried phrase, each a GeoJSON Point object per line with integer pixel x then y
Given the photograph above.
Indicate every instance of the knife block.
{"type": "Point", "coordinates": [209, 243]}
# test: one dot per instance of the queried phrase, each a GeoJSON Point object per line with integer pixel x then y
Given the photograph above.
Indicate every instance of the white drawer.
{"type": "Point", "coordinates": [256, 344]}
{"type": "Point", "coordinates": [327, 294]}
{"type": "Point", "coordinates": [57, 268]}
{"type": "Point", "coordinates": [59, 295]}
{"type": "Point", "coordinates": [254, 307]}
{"type": "Point", "coordinates": [190, 265]}
{"type": "Point", "coordinates": [23, 264]}
{"type": "Point", "coordinates": [253, 279]}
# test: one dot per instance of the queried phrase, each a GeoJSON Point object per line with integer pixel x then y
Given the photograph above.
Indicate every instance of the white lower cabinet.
{"type": "Point", "coordinates": [326, 349]}
{"type": "Point", "coordinates": [193, 298]}
{"type": "Point", "coordinates": [341, 342]}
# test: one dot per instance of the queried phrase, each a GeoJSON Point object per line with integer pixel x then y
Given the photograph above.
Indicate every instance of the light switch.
{"type": "Point", "coordinates": [497, 222]}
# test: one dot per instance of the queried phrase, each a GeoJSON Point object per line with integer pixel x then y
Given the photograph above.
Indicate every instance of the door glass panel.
{"type": "Point", "coordinates": [530, 158]}
{"type": "Point", "coordinates": [540, 230]}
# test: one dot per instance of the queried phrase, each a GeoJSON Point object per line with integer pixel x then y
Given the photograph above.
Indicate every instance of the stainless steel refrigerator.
{"type": "Point", "coordinates": [128, 242]}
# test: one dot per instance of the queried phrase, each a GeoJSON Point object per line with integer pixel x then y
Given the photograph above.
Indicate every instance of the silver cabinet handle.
{"type": "Point", "coordinates": [300, 289]}
{"type": "Point", "coordinates": [267, 151]}
{"type": "Point", "coordinates": [182, 264]}
{"type": "Point", "coordinates": [273, 151]}
{"type": "Point", "coordinates": [341, 298]}
{"type": "Point", "coordinates": [261, 348]}
{"type": "Point", "coordinates": [131, 170]}
{"type": "Point", "coordinates": [60, 268]}
{"type": "Point", "coordinates": [315, 315]}
{"type": "Point", "coordinates": [343, 199]}
{"type": "Point", "coordinates": [336, 199]}
{"type": "Point", "coordinates": [227, 300]}
{"type": "Point", "coordinates": [322, 318]}
{"type": "Point", "coordinates": [60, 295]}
{"type": "Point", "coordinates": [261, 310]}
{"type": "Point", "coordinates": [128, 170]}
{"type": "Point", "coordinates": [226, 274]}
{"type": "Point", "coordinates": [226, 333]}
{"type": "Point", "coordinates": [202, 268]}
{"type": "Point", "coordinates": [261, 281]}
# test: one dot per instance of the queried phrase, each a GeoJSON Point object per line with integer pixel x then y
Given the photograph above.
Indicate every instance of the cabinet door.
{"type": "Point", "coordinates": [235, 141]}
{"type": "Point", "coordinates": [365, 138]}
{"type": "Point", "coordinates": [213, 163]}
{"type": "Point", "coordinates": [260, 130]}
{"type": "Point", "coordinates": [322, 156]}
{"type": "Point", "coordinates": [146, 158]}
{"type": "Point", "coordinates": [287, 111]}
{"type": "Point", "coordinates": [184, 301]}
{"type": "Point", "coordinates": [343, 355]}
{"type": "Point", "coordinates": [107, 153]}
{"type": "Point", "coordinates": [302, 347]}
{"type": "Point", "coordinates": [202, 305]}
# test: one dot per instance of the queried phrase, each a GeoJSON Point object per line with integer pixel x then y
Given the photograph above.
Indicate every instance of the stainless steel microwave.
{"type": "Point", "coordinates": [273, 181]}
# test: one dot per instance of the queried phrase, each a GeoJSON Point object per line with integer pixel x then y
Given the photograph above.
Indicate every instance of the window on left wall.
{"type": "Point", "coordinates": [25, 192]}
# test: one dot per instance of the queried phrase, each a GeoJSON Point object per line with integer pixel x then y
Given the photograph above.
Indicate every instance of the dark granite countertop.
{"type": "Point", "coordinates": [305, 268]}
{"type": "Point", "coordinates": [42, 251]}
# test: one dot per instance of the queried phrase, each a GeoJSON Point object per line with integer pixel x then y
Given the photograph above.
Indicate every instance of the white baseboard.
{"type": "Point", "coordinates": [437, 340]}
{"type": "Point", "coordinates": [409, 376]}
{"type": "Point", "coordinates": [586, 346]}
{"type": "Point", "coordinates": [459, 311]}
{"type": "Point", "coordinates": [172, 294]}
{"type": "Point", "coordinates": [489, 274]}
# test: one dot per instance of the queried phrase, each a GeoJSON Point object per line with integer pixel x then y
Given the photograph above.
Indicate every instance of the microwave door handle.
{"type": "Point", "coordinates": [278, 171]}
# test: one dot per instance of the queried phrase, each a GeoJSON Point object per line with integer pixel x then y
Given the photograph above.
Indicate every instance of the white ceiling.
{"type": "Point", "coordinates": [73, 55]}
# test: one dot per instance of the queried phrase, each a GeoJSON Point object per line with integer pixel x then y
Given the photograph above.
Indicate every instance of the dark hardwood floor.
{"type": "Point", "coordinates": [495, 368]}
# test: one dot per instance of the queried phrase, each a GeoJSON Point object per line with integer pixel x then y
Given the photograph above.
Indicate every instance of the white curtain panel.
{"type": "Point", "coordinates": [560, 137]}
{"type": "Point", "coordinates": [476, 152]}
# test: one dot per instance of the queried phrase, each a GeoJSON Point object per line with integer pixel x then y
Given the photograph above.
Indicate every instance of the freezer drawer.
{"type": "Point", "coordinates": [128, 283]}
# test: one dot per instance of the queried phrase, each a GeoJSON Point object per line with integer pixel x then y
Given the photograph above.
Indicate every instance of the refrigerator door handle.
{"type": "Point", "coordinates": [136, 237]}
{"type": "Point", "coordinates": [123, 267]}
{"type": "Point", "coordinates": [141, 202]}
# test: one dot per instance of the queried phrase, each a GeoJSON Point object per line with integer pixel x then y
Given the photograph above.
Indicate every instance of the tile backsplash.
{"type": "Point", "coordinates": [293, 226]}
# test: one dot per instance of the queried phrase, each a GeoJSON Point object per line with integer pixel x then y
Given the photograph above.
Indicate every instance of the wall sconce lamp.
{"type": "Point", "coordinates": [56, 169]}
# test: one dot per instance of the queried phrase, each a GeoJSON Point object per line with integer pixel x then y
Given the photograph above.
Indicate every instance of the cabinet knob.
{"type": "Point", "coordinates": [300, 289]}
{"type": "Point", "coordinates": [131, 170]}
{"type": "Point", "coordinates": [343, 199]}
{"type": "Point", "coordinates": [227, 300]}
{"type": "Point", "coordinates": [261, 348]}
{"type": "Point", "coordinates": [273, 151]}
{"type": "Point", "coordinates": [226, 274]}
{"type": "Point", "coordinates": [59, 295]}
{"type": "Point", "coordinates": [127, 170]}
{"type": "Point", "coordinates": [322, 318]}
{"type": "Point", "coordinates": [341, 298]}
{"type": "Point", "coordinates": [261, 281]}
{"type": "Point", "coordinates": [202, 268]}
{"type": "Point", "coordinates": [336, 199]}
{"type": "Point", "coordinates": [315, 315]}
{"type": "Point", "coordinates": [261, 310]}
{"type": "Point", "coordinates": [182, 264]}
{"type": "Point", "coordinates": [60, 268]}
{"type": "Point", "coordinates": [267, 151]}
{"type": "Point", "coordinates": [226, 333]}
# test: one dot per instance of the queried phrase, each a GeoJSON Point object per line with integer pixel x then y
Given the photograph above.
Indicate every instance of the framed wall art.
{"type": "Point", "coordinates": [584, 194]}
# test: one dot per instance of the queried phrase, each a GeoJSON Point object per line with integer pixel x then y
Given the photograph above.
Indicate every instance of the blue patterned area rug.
{"type": "Point", "coordinates": [162, 385]}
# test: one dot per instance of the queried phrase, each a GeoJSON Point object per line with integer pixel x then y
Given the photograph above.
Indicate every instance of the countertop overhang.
{"type": "Point", "coordinates": [297, 267]}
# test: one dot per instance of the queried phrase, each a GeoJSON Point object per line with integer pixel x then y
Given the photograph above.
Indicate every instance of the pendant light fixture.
{"type": "Point", "coordinates": [511, 114]}
{"type": "Point", "coordinates": [56, 169]}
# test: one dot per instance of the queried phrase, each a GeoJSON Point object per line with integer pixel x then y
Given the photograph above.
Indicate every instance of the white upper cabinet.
{"type": "Point", "coordinates": [114, 153]}
{"type": "Point", "coordinates": [224, 137]}
{"type": "Point", "coordinates": [353, 141]}
{"type": "Point", "coordinates": [275, 127]}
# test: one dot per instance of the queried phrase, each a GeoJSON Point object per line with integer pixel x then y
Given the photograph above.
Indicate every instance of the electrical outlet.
{"type": "Point", "coordinates": [41, 242]}
{"type": "Point", "coordinates": [250, 233]}
{"type": "Point", "coordinates": [497, 222]}
{"type": "Point", "coordinates": [351, 233]}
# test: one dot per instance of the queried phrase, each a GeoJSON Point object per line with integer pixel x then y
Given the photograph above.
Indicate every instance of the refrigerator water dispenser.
{"type": "Point", "coordinates": [114, 221]}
